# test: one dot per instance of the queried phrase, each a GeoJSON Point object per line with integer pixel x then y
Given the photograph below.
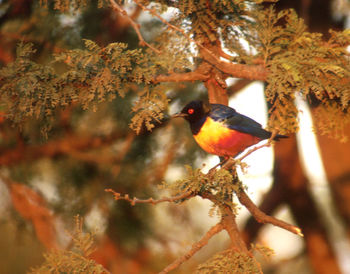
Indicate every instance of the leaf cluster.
{"type": "Point", "coordinates": [301, 62]}
{"type": "Point", "coordinates": [74, 260]}
{"type": "Point", "coordinates": [93, 75]}
{"type": "Point", "coordinates": [220, 184]}
{"type": "Point", "coordinates": [149, 108]}
{"type": "Point", "coordinates": [265, 251]}
{"type": "Point", "coordinates": [229, 21]}
{"type": "Point", "coordinates": [331, 120]}
{"type": "Point", "coordinates": [27, 88]}
{"type": "Point", "coordinates": [230, 261]}
{"type": "Point", "coordinates": [297, 62]}
{"type": "Point", "coordinates": [196, 181]}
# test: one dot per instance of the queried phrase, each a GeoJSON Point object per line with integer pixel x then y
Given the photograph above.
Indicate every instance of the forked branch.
{"type": "Point", "coordinates": [228, 221]}
{"type": "Point", "coordinates": [252, 72]}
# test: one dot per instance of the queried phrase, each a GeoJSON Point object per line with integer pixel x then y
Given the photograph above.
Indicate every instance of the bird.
{"type": "Point", "coordinates": [221, 130]}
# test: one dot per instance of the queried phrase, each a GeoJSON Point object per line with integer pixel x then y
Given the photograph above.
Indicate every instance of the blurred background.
{"type": "Point", "coordinates": [45, 182]}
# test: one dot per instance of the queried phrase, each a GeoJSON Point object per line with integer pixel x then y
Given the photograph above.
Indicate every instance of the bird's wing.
{"type": "Point", "coordinates": [234, 120]}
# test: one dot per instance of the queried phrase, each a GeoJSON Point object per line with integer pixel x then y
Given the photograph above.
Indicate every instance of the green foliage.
{"type": "Point", "coordinates": [297, 62]}
{"type": "Point", "coordinates": [217, 19]}
{"type": "Point", "coordinates": [331, 120]}
{"type": "Point", "coordinates": [27, 89]}
{"type": "Point", "coordinates": [149, 108]}
{"type": "Point", "coordinates": [196, 181]}
{"type": "Point", "coordinates": [65, 5]}
{"type": "Point", "coordinates": [122, 78]}
{"type": "Point", "coordinates": [94, 75]}
{"type": "Point", "coordinates": [175, 53]}
{"type": "Point", "coordinates": [230, 261]}
{"type": "Point", "coordinates": [219, 183]}
{"type": "Point", "coordinates": [74, 260]}
{"type": "Point", "coordinates": [102, 72]}
{"type": "Point", "coordinates": [301, 62]}
{"type": "Point", "coordinates": [265, 251]}
{"type": "Point", "coordinates": [73, 5]}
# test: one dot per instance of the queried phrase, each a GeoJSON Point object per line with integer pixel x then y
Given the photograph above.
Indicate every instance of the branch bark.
{"type": "Point", "coordinates": [134, 201]}
{"type": "Point", "coordinates": [136, 26]}
{"type": "Point", "coordinates": [195, 248]}
{"type": "Point", "coordinates": [270, 202]}
{"type": "Point", "coordinates": [261, 217]}
{"type": "Point", "coordinates": [251, 72]}
{"type": "Point", "coordinates": [63, 146]}
{"type": "Point", "coordinates": [230, 225]}
{"type": "Point", "coordinates": [238, 86]}
{"type": "Point", "coordinates": [211, 53]}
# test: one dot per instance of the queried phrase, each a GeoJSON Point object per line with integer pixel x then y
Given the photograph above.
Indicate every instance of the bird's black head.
{"type": "Point", "coordinates": [194, 111]}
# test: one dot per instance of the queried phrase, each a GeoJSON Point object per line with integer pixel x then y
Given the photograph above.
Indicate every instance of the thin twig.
{"type": "Point", "coordinates": [267, 144]}
{"type": "Point", "coordinates": [135, 25]}
{"type": "Point", "coordinates": [181, 77]}
{"type": "Point", "coordinates": [195, 248]}
{"type": "Point", "coordinates": [201, 73]}
{"type": "Point", "coordinates": [261, 217]}
{"type": "Point", "coordinates": [230, 162]}
{"type": "Point", "coordinates": [63, 146]}
{"type": "Point", "coordinates": [253, 72]}
{"type": "Point", "coordinates": [134, 201]}
{"type": "Point", "coordinates": [154, 13]}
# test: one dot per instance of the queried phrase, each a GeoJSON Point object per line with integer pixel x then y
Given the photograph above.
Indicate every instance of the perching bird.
{"type": "Point", "coordinates": [220, 130]}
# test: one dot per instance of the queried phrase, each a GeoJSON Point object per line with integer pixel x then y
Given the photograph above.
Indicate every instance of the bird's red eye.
{"type": "Point", "coordinates": [190, 111]}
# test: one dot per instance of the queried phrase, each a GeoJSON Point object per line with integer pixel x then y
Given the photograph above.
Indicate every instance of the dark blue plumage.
{"type": "Point", "coordinates": [221, 130]}
{"type": "Point", "coordinates": [234, 120]}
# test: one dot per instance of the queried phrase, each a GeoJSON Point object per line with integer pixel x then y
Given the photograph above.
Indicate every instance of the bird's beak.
{"type": "Point", "coordinates": [176, 115]}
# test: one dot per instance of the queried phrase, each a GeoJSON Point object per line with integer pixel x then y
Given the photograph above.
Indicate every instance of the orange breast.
{"type": "Point", "coordinates": [217, 139]}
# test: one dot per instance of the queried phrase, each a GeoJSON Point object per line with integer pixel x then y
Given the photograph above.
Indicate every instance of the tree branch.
{"type": "Point", "coordinates": [230, 163]}
{"type": "Point", "coordinates": [267, 144]}
{"type": "Point", "coordinates": [136, 26]}
{"type": "Point", "coordinates": [251, 72]}
{"type": "Point", "coordinates": [134, 201]}
{"type": "Point", "coordinates": [270, 202]}
{"type": "Point", "coordinates": [64, 146]}
{"type": "Point", "coordinates": [261, 217]}
{"type": "Point", "coordinates": [154, 13]}
{"type": "Point", "coordinates": [107, 157]}
{"type": "Point", "coordinates": [179, 77]}
{"type": "Point", "coordinates": [195, 248]}
{"type": "Point", "coordinates": [238, 86]}
{"type": "Point", "coordinates": [201, 73]}
{"type": "Point", "coordinates": [229, 222]}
